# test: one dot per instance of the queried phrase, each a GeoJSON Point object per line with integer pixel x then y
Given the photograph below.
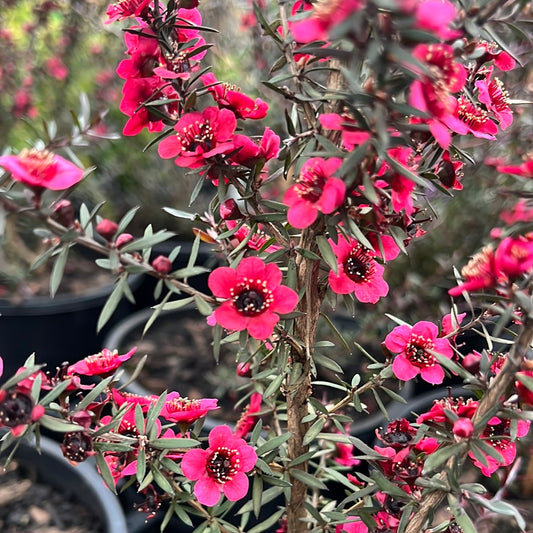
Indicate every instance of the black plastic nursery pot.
{"type": "Point", "coordinates": [57, 330]}
{"type": "Point", "coordinates": [79, 484]}
{"type": "Point", "coordinates": [187, 339]}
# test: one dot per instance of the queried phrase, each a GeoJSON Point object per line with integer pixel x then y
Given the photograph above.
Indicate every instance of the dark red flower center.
{"type": "Point", "coordinates": [359, 265]}
{"type": "Point", "coordinates": [77, 446]}
{"type": "Point", "coordinates": [252, 297]}
{"type": "Point", "coordinates": [223, 464]}
{"type": "Point", "coordinates": [196, 136]}
{"type": "Point", "coordinates": [497, 434]}
{"type": "Point", "coordinates": [16, 409]}
{"type": "Point", "coordinates": [418, 351]}
{"type": "Point", "coordinates": [310, 185]}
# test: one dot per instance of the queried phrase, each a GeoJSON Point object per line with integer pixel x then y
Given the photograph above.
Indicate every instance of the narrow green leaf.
{"type": "Point", "coordinates": [313, 431]}
{"type": "Point", "coordinates": [272, 444]}
{"type": "Point", "coordinates": [105, 472]}
{"type": "Point", "coordinates": [274, 386]}
{"type": "Point", "coordinates": [307, 478]}
{"type": "Point", "coordinates": [58, 270]}
{"type": "Point", "coordinates": [111, 304]}
{"type": "Point", "coordinates": [327, 252]}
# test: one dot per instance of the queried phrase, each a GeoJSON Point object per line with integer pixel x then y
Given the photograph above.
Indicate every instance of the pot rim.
{"type": "Point", "coordinates": [82, 480]}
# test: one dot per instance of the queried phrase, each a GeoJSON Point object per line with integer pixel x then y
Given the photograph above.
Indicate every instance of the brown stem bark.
{"type": "Point", "coordinates": [299, 391]}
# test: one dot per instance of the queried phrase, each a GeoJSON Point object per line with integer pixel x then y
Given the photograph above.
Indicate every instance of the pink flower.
{"type": "Point", "coordinates": [199, 137]}
{"type": "Point", "coordinates": [41, 169]}
{"type": "Point", "coordinates": [102, 363]}
{"type": "Point", "coordinates": [476, 119]}
{"type": "Point", "coordinates": [520, 212]}
{"type": "Point", "coordinates": [315, 190]}
{"type": "Point", "coordinates": [357, 271]}
{"type": "Point", "coordinates": [221, 468]}
{"type": "Point", "coordinates": [357, 526]}
{"type": "Point", "coordinates": [514, 256]}
{"type": "Point", "coordinates": [251, 152]}
{"type": "Point", "coordinates": [526, 395]}
{"type": "Point", "coordinates": [433, 95]}
{"type": "Point", "coordinates": [254, 297]}
{"type": "Point", "coordinates": [492, 93]}
{"type": "Point", "coordinates": [415, 346]}
{"type": "Point", "coordinates": [463, 428]}
{"type": "Point", "coordinates": [435, 16]}
{"type": "Point", "coordinates": [324, 17]}
{"type": "Point", "coordinates": [352, 135]}
{"type": "Point", "coordinates": [438, 412]}
{"type": "Point", "coordinates": [228, 96]}
{"type": "Point", "coordinates": [56, 68]}
{"type": "Point", "coordinates": [185, 410]}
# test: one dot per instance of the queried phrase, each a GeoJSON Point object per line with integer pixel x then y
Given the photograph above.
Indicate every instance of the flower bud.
{"type": "Point", "coordinates": [229, 210]}
{"type": "Point", "coordinates": [463, 428]}
{"type": "Point", "coordinates": [471, 362]}
{"type": "Point", "coordinates": [82, 418]}
{"type": "Point", "coordinates": [123, 239]}
{"type": "Point", "coordinates": [64, 213]}
{"type": "Point", "coordinates": [162, 264]}
{"type": "Point", "coordinates": [107, 229]}
{"type": "Point", "coordinates": [244, 370]}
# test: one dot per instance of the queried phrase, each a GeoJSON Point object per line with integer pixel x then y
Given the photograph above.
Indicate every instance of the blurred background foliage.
{"type": "Point", "coordinates": [51, 51]}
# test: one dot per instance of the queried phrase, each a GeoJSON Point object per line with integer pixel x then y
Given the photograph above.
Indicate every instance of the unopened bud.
{"type": "Point", "coordinates": [463, 428]}
{"type": "Point", "coordinates": [162, 264]}
{"type": "Point", "coordinates": [107, 229]}
{"type": "Point", "coordinates": [64, 213]}
{"type": "Point", "coordinates": [471, 362]}
{"type": "Point", "coordinates": [229, 210]}
{"type": "Point", "coordinates": [244, 370]}
{"type": "Point", "coordinates": [123, 239]}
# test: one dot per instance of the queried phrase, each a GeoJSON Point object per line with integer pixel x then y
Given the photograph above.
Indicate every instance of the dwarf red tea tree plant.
{"type": "Point", "coordinates": [377, 110]}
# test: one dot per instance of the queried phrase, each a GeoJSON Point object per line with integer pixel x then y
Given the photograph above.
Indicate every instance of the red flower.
{"type": "Point", "coordinates": [525, 169]}
{"type": "Point", "coordinates": [497, 434]}
{"type": "Point", "coordinates": [221, 468]}
{"type": "Point", "coordinates": [138, 91]}
{"type": "Point", "coordinates": [357, 271]}
{"type": "Point", "coordinates": [324, 17]}
{"type": "Point", "coordinates": [249, 415]}
{"type": "Point", "coordinates": [42, 169]}
{"type": "Point", "coordinates": [199, 137]}
{"type": "Point", "coordinates": [316, 190]}
{"type": "Point", "coordinates": [252, 152]}
{"type": "Point", "coordinates": [501, 59]}
{"type": "Point", "coordinates": [126, 8]}
{"type": "Point", "coordinates": [463, 428]}
{"type": "Point", "coordinates": [415, 346]}
{"type": "Point", "coordinates": [184, 410]}
{"type": "Point", "coordinates": [480, 273]}
{"type": "Point", "coordinates": [105, 362]}
{"type": "Point", "coordinates": [254, 297]}
{"type": "Point", "coordinates": [526, 395]}
{"type": "Point", "coordinates": [230, 97]}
